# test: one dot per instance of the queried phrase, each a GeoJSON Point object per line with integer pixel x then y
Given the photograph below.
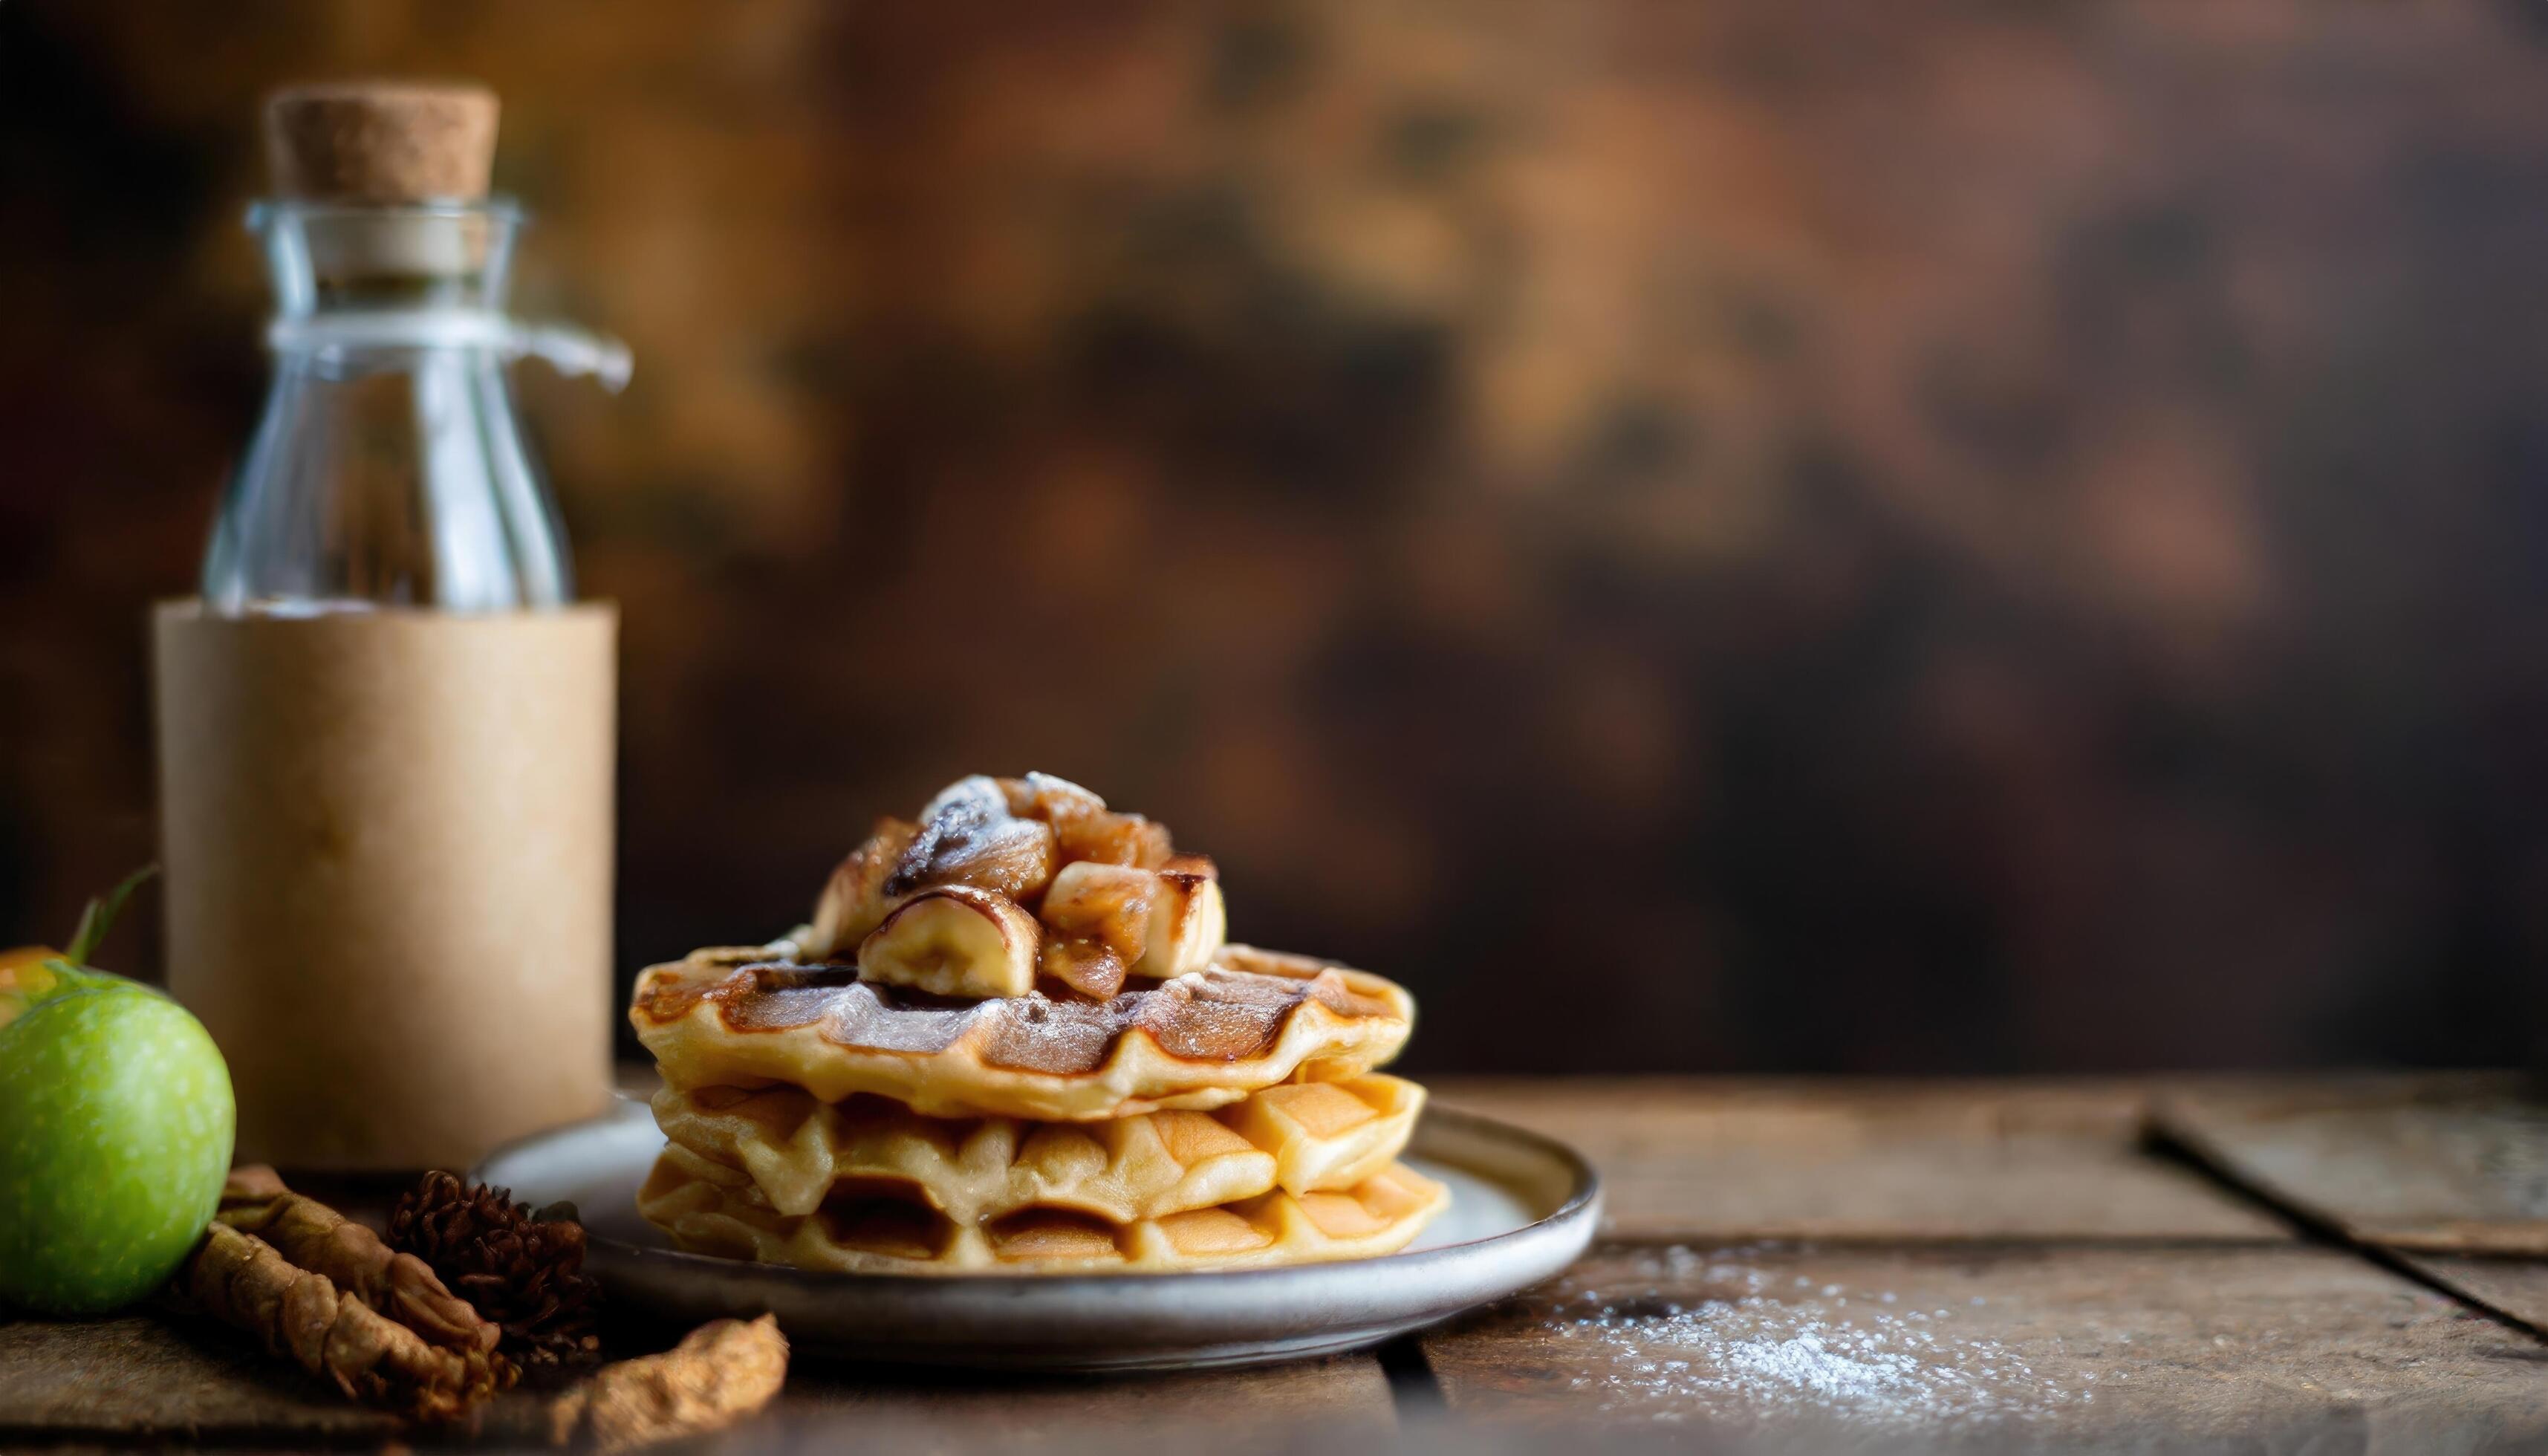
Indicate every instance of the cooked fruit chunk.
{"type": "Point", "coordinates": [1115, 839]}
{"type": "Point", "coordinates": [1056, 801]}
{"type": "Point", "coordinates": [1099, 919]}
{"type": "Point", "coordinates": [1106, 903]}
{"type": "Point", "coordinates": [967, 835]}
{"type": "Point", "coordinates": [1091, 967]}
{"type": "Point", "coordinates": [1153, 923]}
{"type": "Point", "coordinates": [955, 941]}
{"type": "Point", "coordinates": [854, 901]}
{"type": "Point", "coordinates": [1188, 923]}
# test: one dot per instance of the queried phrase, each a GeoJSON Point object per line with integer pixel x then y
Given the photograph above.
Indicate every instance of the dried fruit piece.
{"type": "Point", "coordinates": [720, 1373]}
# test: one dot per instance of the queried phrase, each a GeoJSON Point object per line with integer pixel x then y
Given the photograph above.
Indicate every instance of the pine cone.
{"type": "Point", "coordinates": [521, 1270]}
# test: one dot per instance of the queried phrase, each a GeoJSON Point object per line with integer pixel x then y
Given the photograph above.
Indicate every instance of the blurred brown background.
{"type": "Point", "coordinates": [1759, 534]}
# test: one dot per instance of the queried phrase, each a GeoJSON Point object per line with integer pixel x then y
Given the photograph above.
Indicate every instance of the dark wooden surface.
{"type": "Point", "coordinates": [1907, 1161]}
{"type": "Point", "coordinates": [2116, 1265]}
{"type": "Point", "coordinates": [2449, 1165]}
{"type": "Point", "coordinates": [2109, 1345]}
{"type": "Point", "coordinates": [2443, 1177]}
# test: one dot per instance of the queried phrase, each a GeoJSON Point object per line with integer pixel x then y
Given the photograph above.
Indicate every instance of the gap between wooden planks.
{"type": "Point", "coordinates": [2445, 1175]}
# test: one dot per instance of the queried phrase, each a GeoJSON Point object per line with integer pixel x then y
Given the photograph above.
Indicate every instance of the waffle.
{"type": "Point", "coordinates": [1303, 1137]}
{"type": "Point", "coordinates": [1247, 1021]}
{"type": "Point", "coordinates": [1377, 1216]}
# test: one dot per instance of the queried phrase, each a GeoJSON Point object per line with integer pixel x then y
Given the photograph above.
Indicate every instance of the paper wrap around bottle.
{"type": "Point", "coordinates": [388, 837]}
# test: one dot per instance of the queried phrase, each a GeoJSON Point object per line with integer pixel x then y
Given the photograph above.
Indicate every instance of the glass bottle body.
{"type": "Point", "coordinates": [388, 467]}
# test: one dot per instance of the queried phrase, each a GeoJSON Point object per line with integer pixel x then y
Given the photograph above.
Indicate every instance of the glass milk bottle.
{"type": "Point", "coordinates": [385, 728]}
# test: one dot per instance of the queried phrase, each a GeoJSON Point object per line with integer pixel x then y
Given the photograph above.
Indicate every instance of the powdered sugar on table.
{"type": "Point", "coordinates": [1763, 1348]}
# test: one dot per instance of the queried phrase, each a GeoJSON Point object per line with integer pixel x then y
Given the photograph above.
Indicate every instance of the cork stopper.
{"type": "Point", "coordinates": [381, 141]}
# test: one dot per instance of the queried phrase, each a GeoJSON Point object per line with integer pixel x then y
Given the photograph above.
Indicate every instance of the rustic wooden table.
{"type": "Point", "coordinates": [2332, 1264]}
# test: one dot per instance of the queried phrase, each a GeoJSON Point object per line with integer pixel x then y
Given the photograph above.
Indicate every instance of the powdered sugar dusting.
{"type": "Point", "coordinates": [1761, 1349]}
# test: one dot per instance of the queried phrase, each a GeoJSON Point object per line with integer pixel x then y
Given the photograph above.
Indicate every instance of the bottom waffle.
{"type": "Point", "coordinates": [709, 1209]}
{"type": "Point", "coordinates": [1301, 1136]}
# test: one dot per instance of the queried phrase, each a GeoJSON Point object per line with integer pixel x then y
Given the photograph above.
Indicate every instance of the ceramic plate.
{"type": "Point", "coordinates": [1522, 1207]}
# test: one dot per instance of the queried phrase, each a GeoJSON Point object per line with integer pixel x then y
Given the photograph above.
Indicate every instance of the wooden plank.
{"type": "Point", "coordinates": [1692, 1158]}
{"type": "Point", "coordinates": [1347, 1398]}
{"type": "Point", "coordinates": [142, 1377]}
{"type": "Point", "coordinates": [2514, 1287]}
{"type": "Point", "coordinates": [2444, 1164]}
{"type": "Point", "coordinates": [2157, 1347]}
{"type": "Point", "coordinates": [137, 1376]}
{"type": "Point", "coordinates": [2448, 1173]}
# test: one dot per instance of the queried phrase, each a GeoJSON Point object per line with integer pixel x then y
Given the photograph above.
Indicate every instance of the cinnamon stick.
{"type": "Point", "coordinates": [242, 1281]}
{"type": "Point", "coordinates": [322, 1240]}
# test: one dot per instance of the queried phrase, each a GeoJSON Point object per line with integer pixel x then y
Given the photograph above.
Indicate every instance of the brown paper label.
{"type": "Point", "coordinates": [388, 845]}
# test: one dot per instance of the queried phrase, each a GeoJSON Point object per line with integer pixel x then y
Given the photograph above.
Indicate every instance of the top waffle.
{"type": "Point", "coordinates": [1247, 1020]}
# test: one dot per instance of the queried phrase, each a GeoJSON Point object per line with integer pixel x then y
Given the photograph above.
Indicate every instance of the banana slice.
{"type": "Point", "coordinates": [854, 901]}
{"type": "Point", "coordinates": [955, 941]}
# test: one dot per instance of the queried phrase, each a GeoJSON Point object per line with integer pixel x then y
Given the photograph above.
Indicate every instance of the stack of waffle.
{"type": "Point", "coordinates": [1013, 1039]}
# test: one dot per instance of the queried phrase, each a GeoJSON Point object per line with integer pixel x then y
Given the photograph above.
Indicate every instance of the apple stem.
{"type": "Point", "coordinates": [99, 917]}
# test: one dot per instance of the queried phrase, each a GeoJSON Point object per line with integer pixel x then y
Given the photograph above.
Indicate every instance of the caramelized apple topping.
{"type": "Point", "coordinates": [1099, 919]}
{"type": "Point", "coordinates": [854, 901]}
{"type": "Point", "coordinates": [1109, 895]}
{"type": "Point", "coordinates": [967, 835]}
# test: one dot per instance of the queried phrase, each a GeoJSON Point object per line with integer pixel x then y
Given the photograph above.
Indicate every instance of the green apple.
{"type": "Point", "coordinates": [116, 1120]}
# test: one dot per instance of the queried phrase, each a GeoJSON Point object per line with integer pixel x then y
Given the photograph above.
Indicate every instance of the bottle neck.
{"type": "Point", "coordinates": [365, 288]}
{"type": "Point", "coordinates": [332, 258]}
{"type": "Point", "coordinates": [388, 467]}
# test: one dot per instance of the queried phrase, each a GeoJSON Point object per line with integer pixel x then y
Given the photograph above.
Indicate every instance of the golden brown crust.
{"type": "Point", "coordinates": [1249, 1020]}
